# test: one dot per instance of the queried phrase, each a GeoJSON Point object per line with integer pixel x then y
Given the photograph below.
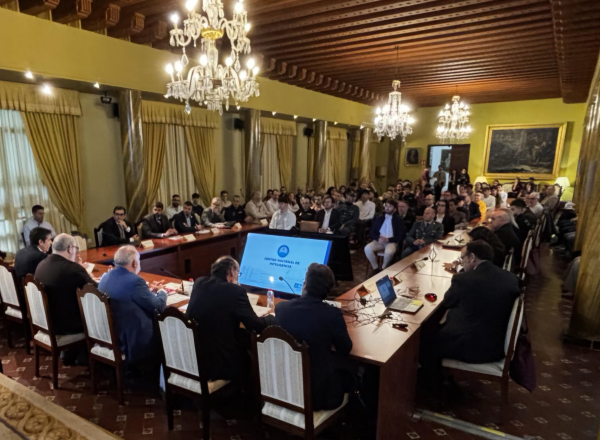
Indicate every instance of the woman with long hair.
{"type": "Point", "coordinates": [342, 190]}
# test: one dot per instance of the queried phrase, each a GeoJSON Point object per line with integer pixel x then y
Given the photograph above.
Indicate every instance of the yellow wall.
{"type": "Point", "coordinates": [519, 112]}
{"type": "Point", "coordinates": [59, 51]}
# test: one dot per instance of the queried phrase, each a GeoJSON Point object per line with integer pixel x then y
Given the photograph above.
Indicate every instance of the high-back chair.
{"type": "Point", "coordinates": [98, 235]}
{"type": "Point", "coordinates": [183, 366]}
{"type": "Point", "coordinates": [282, 376]}
{"type": "Point", "coordinates": [508, 260]}
{"type": "Point", "coordinates": [527, 246]}
{"type": "Point", "coordinates": [42, 328]}
{"type": "Point", "coordinates": [15, 311]}
{"type": "Point", "coordinates": [81, 242]}
{"type": "Point", "coordinates": [498, 371]}
{"type": "Point", "coordinates": [100, 335]}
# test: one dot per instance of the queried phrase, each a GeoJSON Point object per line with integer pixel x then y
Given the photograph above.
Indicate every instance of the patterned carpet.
{"type": "Point", "coordinates": [564, 406]}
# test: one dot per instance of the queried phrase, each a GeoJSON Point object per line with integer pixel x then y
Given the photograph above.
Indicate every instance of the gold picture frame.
{"type": "Point", "coordinates": [524, 150]}
{"type": "Point", "coordinates": [413, 162]}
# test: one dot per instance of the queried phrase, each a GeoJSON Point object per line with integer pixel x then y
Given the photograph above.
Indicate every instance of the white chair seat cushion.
{"type": "Point", "coordinates": [296, 418]}
{"type": "Point", "coordinates": [60, 339]}
{"type": "Point", "coordinates": [492, 368]}
{"type": "Point", "coordinates": [105, 352]}
{"type": "Point", "coordinates": [194, 385]}
{"type": "Point", "coordinates": [12, 311]}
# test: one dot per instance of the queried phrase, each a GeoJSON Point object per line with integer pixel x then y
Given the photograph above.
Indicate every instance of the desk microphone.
{"type": "Point", "coordinates": [282, 279]}
{"type": "Point", "coordinates": [171, 273]}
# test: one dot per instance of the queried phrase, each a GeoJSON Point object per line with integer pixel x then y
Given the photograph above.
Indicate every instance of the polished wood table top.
{"type": "Point", "coordinates": [105, 254]}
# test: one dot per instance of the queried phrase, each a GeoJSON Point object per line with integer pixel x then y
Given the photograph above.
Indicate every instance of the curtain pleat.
{"type": "Point", "coordinates": [270, 165]}
{"type": "Point", "coordinates": [285, 153]}
{"type": "Point", "coordinates": [201, 151]}
{"type": "Point", "coordinates": [30, 98]}
{"type": "Point", "coordinates": [53, 139]}
{"type": "Point", "coordinates": [154, 158]}
{"type": "Point", "coordinates": [338, 150]}
{"type": "Point", "coordinates": [310, 168]}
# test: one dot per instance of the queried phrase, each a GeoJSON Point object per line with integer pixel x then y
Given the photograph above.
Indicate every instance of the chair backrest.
{"type": "Point", "coordinates": [37, 305]}
{"type": "Point", "coordinates": [97, 319]}
{"type": "Point", "coordinates": [512, 331]}
{"type": "Point", "coordinates": [23, 238]}
{"type": "Point", "coordinates": [98, 235]}
{"type": "Point", "coordinates": [307, 226]}
{"type": "Point", "coordinates": [8, 286]}
{"type": "Point", "coordinates": [527, 246]}
{"type": "Point", "coordinates": [282, 371]}
{"type": "Point", "coordinates": [180, 346]}
{"type": "Point", "coordinates": [81, 242]}
{"type": "Point", "coordinates": [508, 260]}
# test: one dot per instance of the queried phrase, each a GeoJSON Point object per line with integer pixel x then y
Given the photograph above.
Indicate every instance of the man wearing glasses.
{"type": "Point", "coordinates": [117, 229]}
{"type": "Point", "coordinates": [62, 273]}
{"type": "Point", "coordinates": [533, 203]}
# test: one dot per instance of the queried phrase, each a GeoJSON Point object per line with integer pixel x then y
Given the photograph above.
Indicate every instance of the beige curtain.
{"type": "Point", "coordinates": [29, 98]}
{"type": "Point", "coordinates": [285, 135]}
{"type": "Point", "coordinates": [310, 164]}
{"type": "Point", "coordinates": [22, 185]}
{"type": "Point", "coordinates": [200, 148]}
{"type": "Point", "coordinates": [269, 178]}
{"type": "Point", "coordinates": [337, 147]}
{"type": "Point", "coordinates": [285, 151]}
{"type": "Point", "coordinates": [154, 157]}
{"type": "Point", "coordinates": [54, 142]}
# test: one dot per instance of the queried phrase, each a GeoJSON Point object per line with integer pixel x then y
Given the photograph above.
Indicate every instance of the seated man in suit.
{"type": "Point", "coordinates": [459, 216]}
{"type": "Point", "coordinates": [211, 217]}
{"type": "Point", "coordinates": [406, 214]}
{"type": "Point", "coordinates": [133, 304]}
{"type": "Point", "coordinates": [349, 213]}
{"type": "Point", "coordinates": [387, 231]}
{"type": "Point", "coordinates": [28, 258]}
{"type": "Point", "coordinates": [442, 215]}
{"type": "Point", "coordinates": [308, 319]}
{"type": "Point", "coordinates": [186, 222]}
{"type": "Point", "coordinates": [219, 305]}
{"type": "Point", "coordinates": [524, 218]}
{"type": "Point", "coordinates": [305, 213]}
{"type": "Point", "coordinates": [157, 225]}
{"type": "Point", "coordinates": [62, 276]}
{"type": "Point", "coordinates": [475, 326]}
{"type": "Point", "coordinates": [328, 217]}
{"type": "Point", "coordinates": [472, 208]}
{"type": "Point", "coordinates": [507, 233]}
{"type": "Point", "coordinates": [196, 206]}
{"type": "Point", "coordinates": [118, 230]}
{"type": "Point", "coordinates": [428, 202]}
{"type": "Point", "coordinates": [235, 212]}
{"type": "Point", "coordinates": [423, 233]}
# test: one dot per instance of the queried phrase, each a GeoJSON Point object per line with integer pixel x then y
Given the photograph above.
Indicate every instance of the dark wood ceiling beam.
{"type": "Point", "coordinates": [69, 11]}
{"type": "Point", "coordinates": [155, 7]}
{"type": "Point", "coordinates": [35, 7]}
{"type": "Point", "coordinates": [102, 17]}
{"type": "Point", "coordinates": [152, 34]}
{"type": "Point", "coordinates": [128, 25]}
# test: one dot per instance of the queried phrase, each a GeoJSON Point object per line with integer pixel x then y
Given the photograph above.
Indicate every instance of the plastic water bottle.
{"type": "Point", "coordinates": [270, 299]}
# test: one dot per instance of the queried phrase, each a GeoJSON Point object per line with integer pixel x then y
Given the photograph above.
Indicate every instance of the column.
{"type": "Point", "coordinates": [132, 148]}
{"type": "Point", "coordinates": [320, 154]}
{"type": "Point", "coordinates": [393, 171]}
{"type": "Point", "coordinates": [253, 149]}
{"type": "Point", "coordinates": [365, 154]}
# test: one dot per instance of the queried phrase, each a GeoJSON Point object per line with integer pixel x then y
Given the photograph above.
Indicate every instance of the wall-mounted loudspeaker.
{"type": "Point", "coordinates": [238, 124]}
{"type": "Point", "coordinates": [381, 171]}
{"type": "Point", "coordinates": [308, 132]}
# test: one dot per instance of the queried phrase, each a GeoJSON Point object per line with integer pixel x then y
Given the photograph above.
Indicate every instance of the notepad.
{"type": "Point", "coordinates": [215, 230]}
{"type": "Point", "coordinates": [203, 231]}
{"type": "Point", "coordinates": [172, 286]}
{"type": "Point", "coordinates": [90, 267]}
{"type": "Point", "coordinates": [264, 222]}
{"type": "Point", "coordinates": [253, 298]}
{"type": "Point", "coordinates": [260, 311]}
{"type": "Point", "coordinates": [371, 287]}
{"type": "Point", "coordinates": [419, 265]}
{"type": "Point", "coordinates": [175, 238]}
{"type": "Point", "coordinates": [175, 298]}
{"type": "Point", "coordinates": [147, 244]}
{"type": "Point", "coordinates": [189, 237]}
{"type": "Point", "coordinates": [237, 226]}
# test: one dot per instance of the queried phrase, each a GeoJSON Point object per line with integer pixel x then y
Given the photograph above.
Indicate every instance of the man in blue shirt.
{"type": "Point", "coordinates": [133, 304]}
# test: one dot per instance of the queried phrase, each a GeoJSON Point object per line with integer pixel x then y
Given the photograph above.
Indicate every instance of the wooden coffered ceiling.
{"type": "Point", "coordinates": [490, 50]}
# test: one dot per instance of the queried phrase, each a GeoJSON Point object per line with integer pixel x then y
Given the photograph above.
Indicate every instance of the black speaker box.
{"type": "Point", "coordinates": [238, 124]}
{"type": "Point", "coordinates": [308, 132]}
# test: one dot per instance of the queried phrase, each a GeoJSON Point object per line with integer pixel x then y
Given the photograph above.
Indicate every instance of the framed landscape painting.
{"type": "Point", "coordinates": [524, 150]}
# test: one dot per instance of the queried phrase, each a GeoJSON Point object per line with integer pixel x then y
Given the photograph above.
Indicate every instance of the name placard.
{"type": "Point", "coordinates": [189, 237]}
{"type": "Point", "coordinates": [215, 230]}
{"type": "Point", "coordinates": [398, 278]}
{"type": "Point", "coordinates": [371, 287]}
{"type": "Point", "coordinates": [237, 226]}
{"type": "Point", "coordinates": [264, 222]}
{"type": "Point", "coordinates": [147, 244]}
{"type": "Point", "coordinates": [419, 265]}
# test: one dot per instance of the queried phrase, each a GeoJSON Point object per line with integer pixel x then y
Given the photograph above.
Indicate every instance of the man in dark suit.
{"type": "Point", "coordinates": [479, 303]}
{"type": "Point", "coordinates": [157, 224]}
{"type": "Point", "coordinates": [235, 212]}
{"type": "Point", "coordinates": [406, 214]}
{"type": "Point", "coordinates": [219, 305]}
{"type": "Point", "coordinates": [308, 319]}
{"type": "Point", "coordinates": [524, 218]}
{"type": "Point", "coordinates": [506, 232]}
{"type": "Point", "coordinates": [471, 208]}
{"type": "Point", "coordinates": [305, 212]}
{"type": "Point", "coordinates": [423, 233]}
{"type": "Point", "coordinates": [328, 217]}
{"type": "Point", "coordinates": [186, 222]}
{"type": "Point", "coordinates": [387, 232]}
{"type": "Point", "coordinates": [349, 213]}
{"type": "Point", "coordinates": [196, 206]}
{"type": "Point", "coordinates": [28, 258]}
{"type": "Point", "coordinates": [118, 230]}
{"type": "Point", "coordinates": [62, 276]}
{"type": "Point", "coordinates": [133, 304]}
{"type": "Point", "coordinates": [428, 202]}
{"type": "Point", "coordinates": [442, 215]}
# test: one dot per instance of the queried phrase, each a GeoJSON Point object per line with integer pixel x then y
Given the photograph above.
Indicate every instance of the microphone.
{"type": "Point", "coordinates": [171, 273]}
{"type": "Point", "coordinates": [282, 279]}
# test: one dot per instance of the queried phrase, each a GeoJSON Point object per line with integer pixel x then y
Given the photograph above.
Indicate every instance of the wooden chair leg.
{"type": "Point", "coordinates": [119, 368]}
{"type": "Point", "coordinates": [169, 406]}
{"type": "Point", "coordinates": [36, 352]}
{"type": "Point", "coordinates": [205, 418]}
{"type": "Point", "coordinates": [55, 356]}
{"type": "Point", "coordinates": [93, 376]}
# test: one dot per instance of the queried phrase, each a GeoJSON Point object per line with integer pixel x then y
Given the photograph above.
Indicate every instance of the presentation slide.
{"type": "Point", "coordinates": [268, 257]}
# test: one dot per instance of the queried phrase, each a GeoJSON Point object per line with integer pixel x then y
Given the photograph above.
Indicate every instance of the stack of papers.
{"type": "Point", "coordinates": [172, 286]}
{"type": "Point", "coordinates": [175, 298]}
{"type": "Point", "coordinates": [260, 311]}
{"type": "Point", "coordinates": [253, 298]}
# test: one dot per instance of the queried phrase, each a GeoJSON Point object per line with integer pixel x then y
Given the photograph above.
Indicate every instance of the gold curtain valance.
{"type": "Point", "coordinates": [335, 133]}
{"type": "Point", "coordinates": [277, 126]}
{"type": "Point", "coordinates": [30, 98]}
{"type": "Point", "coordinates": [163, 113]}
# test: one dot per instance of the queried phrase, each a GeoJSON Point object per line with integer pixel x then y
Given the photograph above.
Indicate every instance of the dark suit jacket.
{"type": "Point", "coordinates": [62, 278]}
{"type": "Point", "coordinates": [474, 211]}
{"type": "Point", "coordinates": [421, 209]}
{"type": "Point", "coordinates": [510, 239]}
{"type": "Point", "coordinates": [27, 260]}
{"type": "Point", "coordinates": [334, 219]}
{"type": "Point", "coordinates": [111, 235]}
{"type": "Point", "coordinates": [448, 223]}
{"type": "Point", "coordinates": [219, 307]}
{"type": "Point", "coordinates": [197, 210]}
{"type": "Point", "coordinates": [151, 228]}
{"type": "Point", "coordinates": [233, 214]}
{"type": "Point", "coordinates": [322, 327]}
{"type": "Point", "coordinates": [180, 224]}
{"type": "Point", "coordinates": [308, 215]}
{"type": "Point", "coordinates": [526, 222]}
{"type": "Point", "coordinates": [133, 307]}
{"type": "Point", "coordinates": [397, 227]}
{"type": "Point", "coordinates": [409, 219]}
{"type": "Point", "coordinates": [480, 302]}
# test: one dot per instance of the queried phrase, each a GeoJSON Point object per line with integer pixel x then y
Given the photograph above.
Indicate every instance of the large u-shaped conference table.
{"type": "Point", "coordinates": [393, 351]}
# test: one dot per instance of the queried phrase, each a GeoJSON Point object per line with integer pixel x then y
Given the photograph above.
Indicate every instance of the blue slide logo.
{"type": "Point", "coordinates": [283, 251]}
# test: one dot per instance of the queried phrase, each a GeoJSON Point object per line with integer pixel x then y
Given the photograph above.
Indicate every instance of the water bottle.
{"type": "Point", "coordinates": [270, 299]}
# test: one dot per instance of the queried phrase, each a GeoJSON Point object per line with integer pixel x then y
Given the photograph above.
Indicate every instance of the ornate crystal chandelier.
{"type": "Point", "coordinates": [393, 119]}
{"type": "Point", "coordinates": [453, 121]}
{"type": "Point", "coordinates": [211, 82]}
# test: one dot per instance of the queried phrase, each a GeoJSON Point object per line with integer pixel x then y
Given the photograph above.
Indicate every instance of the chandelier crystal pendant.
{"type": "Point", "coordinates": [394, 119]}
{"type": "Point", "coordinates": [453, 121]}
{"type": "Point", "coordinates": [210, 82]}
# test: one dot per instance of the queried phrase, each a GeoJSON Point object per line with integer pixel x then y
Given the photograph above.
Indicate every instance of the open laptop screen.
{"type": "Point", "coordinates": [386, 290]}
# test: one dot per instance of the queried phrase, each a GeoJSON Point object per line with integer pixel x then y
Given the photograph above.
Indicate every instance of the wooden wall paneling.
{"type": "Point", "coordinates": [69, 11]}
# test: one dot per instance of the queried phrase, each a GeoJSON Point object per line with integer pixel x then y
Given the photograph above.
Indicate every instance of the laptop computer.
{"type": "Point", "coordinates": [392, 302]}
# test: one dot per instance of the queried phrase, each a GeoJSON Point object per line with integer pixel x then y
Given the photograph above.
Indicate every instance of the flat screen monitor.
{"type": "Point", "coordinates": [268, 257]}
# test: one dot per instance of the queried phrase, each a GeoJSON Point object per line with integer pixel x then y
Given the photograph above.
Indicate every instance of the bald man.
{"type": "Point", "coordinates": [423, 233]}
{"type": "Point", "coordinates": [256, 210]}
{"type": "Point", "coordinates": [211, 216]}
{"type": "Point", "coordinates": [507, 233]}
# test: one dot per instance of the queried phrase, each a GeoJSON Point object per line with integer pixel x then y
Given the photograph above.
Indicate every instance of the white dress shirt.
{"type": "Point", "coordinates": [272, 205]}
{"type": "Point", "coordinates": [386, 229]}
{"type": "Point", "coordinates": [326, 218]}
{"type": "Point", "coordinates": [27, 227]}
{"type": "Point", "coordinates": [171, 211]}
{"type": "Point", "coordinates": [367, 210]}
{"type": "Point", "coordinates": [283, 220]}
